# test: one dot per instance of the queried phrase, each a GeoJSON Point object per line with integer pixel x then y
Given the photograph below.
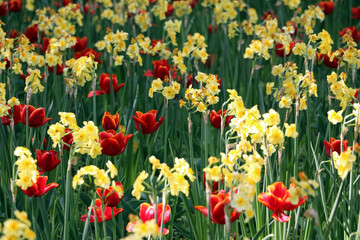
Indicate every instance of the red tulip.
{"type": "Point", "coordinates": [68, 139]}
{"type": "Point", "coordinates": [59, 69]}
{"type": "Point", "coordinates": [32, 33]}
{"type": "Point", "coordinates": [36, 116]}
{"type": "Point", "coordinates": [276, 199]}
{"type": "Point", "coordinates": [215, 185]}
{"type": "Point", "coordinates": [47, 160]}
{"type": "Point", "coordinates": [335, 146]}
{"type": "Point", "coordinates": [147, 121]}
{"type": "Point", "coordinates": [215, 118]}
{"type": "Point", "coordinates": [87, 52]}
{"type": "Point", "coordinates": [356, 95]}
{"type": "Point", "coordinates": [39, 187]}
{"type": "Point", "coordinates": [15, 5]}
{"type": "Point", "coordinates": [110, 121]}
{"type": "Point", "coordinates": [217, 205]}
{"type": "Point", "coordinates": [212, 28]}
{"type": "Point", "coordinates": [15, 112]}
{"type": "Point", "coordinates": [170, 10]}
{"type": "Point", "coordinates": [112, 198]}
{"type": "Point", "coordinates": [161, 70]}
{"type": "Point", "coordinates": [113, 144]}
{"type": "Point", "coordinates": [269, 14]}
{"type": "Point", "coordinates": [280, 50]}
{"type": "Point", "coordinates": [326, 60]}
{"type": "Point", "coordinates": [107, 212]}
{"type": "Point", "coordinates": [104, 83]}
{"type": "Point", "coordinates": [80, 45]}
{"type": "Point", "coordinates": [327, 6]}
{"type": "Point", "coordinates": [354, 33]}
{"type": "Point", "coordinates": [3, 9]}
{"type": "Point", "coordinates": [355, 12]}
{"type": "Point", "coordinates": [147, 213]}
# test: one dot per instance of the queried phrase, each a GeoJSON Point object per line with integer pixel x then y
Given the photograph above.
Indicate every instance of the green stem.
{"type": "Point", "coordinates": [67, 195]}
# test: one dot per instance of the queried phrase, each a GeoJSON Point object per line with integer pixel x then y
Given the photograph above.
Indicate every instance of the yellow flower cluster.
{"type": "Point", "coordinates": [182, 8]}
{"type": "Point", "coordinates": [307, 20]}
{"type": "Point", "coordinates": [302, 188]}
{"type": "Point", "coordinates": [339, 89]}
{"type": "Point", "coordinates": [172, 27]}
{"type": "Point", "coordinates": [3, 107]}
{"type": "Point", "coordinates": [168, 92]}
{"type": "Point", "coordinates": [141, 230]}
{"type": "Point", "coordinates": [204, 96]}
{"type": "Point", "coordinates": [101, 178]}
{"type": "Point", "coordinates": [195, 47]}
{"type": "Point", "coordinates": [26, 166]}
{"type": "Point", "coordinates": [18, 228]}
{"type": "Point", "coordinates": [82, 70]}
{"type": "Point", "coordinates": [343, 162]}
{"type": "Point", "coordinates": [114, 43]}
{"type": "Point", "coordinates": [33, 81]}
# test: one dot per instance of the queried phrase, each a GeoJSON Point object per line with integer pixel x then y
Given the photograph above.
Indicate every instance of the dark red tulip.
{"type": "Point", "coordinates": [32, 33]}
{"type": "Point", "coordinates": [354, 33]}
{"type": "Point", "coordinates": [112, 198]}
{"type": "Point", "coordinates": [113, 144]}
{"type": "Point", "coordinates": [147, 121]}
{"type": "Point", "coordinates": [15, 112]}
{"type": "Point", "coordinates": [276, 199]}
{"type": "Point", "coordinates": [217, 208]}
{"type": "Point", "coordinates": [170, 10]}
{"type": "Point", "coordinates": [39, 188]}
{"type": "Point", "coordinates": [326, 60]}
{"type": "Point", "coordinates": [215, 118]}
{"type": "Point", "coordinates": [107, 212]}
{"type": "Point", "coordinates": [66, 2]}
{"type": "Point", "coordinates": [280, 50]}
{"type": "Point", "coordinates": [110, 121]}
{"type": "Point", "coordinates": [327, 7]}
{"type": "Point", "coordinates": [68, 139]}
{"type": "Point", "coordinates": [162, 70]}
{"type": "Point", "coordinates": [355, 12]}
{"type": "Point", "coordinates": [59, 69]}
{"type": "Point", "coordinates": [269, 14]}
{"type": "Point", "coordinates": [15, 5]}
{"type": "Point", "coordinates": [36, 116]}
{"type": "Point", "coordinates": [3, 9]}
{"type": "Point", "coordinates": [87, 52]}
{"type": "Point", "coordinates": [80, 45]}
{"type": "Point", "coordinates": [335, 146]}
{"type": "Point", "coordinates": [47, 160]}
{"type": "Point", "coordinates": [104, 83]}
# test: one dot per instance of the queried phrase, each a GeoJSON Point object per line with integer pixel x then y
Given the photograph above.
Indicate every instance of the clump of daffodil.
{"type": "Point", "coordinates": [172, 27]}
{"type": "Point", "coordinates": [169, 91]}
{"type": "Point", "coordinates": [141, 229]}
{"type": "Point", "coordinates": [339, 89]}
{"type": "Point", "coordinates": [195, 46]}
{"type": "Point", "coordinates": [85, 139]}
{"type": "Point", "coordinates": [204, 96]}
{"type": "Point", "coordinates": [82, 70]}
{"type": "Point", "coordinates": [26, 168]}
{"type": "Point", "coordinates": [33, 81]}
{"type": "Point", "coordinates": [172, 180]}
{"type": "Point", "coordinates": [343, 162]}
{"type": "Point", "coordinates": [182, 8]}
{"type": "Point", "coordinates": [3, 107]}
{"type": "Point", "coordinates": [18, 228]}
{"type": "Point", "coordinates": [307, 19]}
{"type": "Point", "coordinates": [101, 177]}
{"type": "Point", "coordinates": [302, 189]}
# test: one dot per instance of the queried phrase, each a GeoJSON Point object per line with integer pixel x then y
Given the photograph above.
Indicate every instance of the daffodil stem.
{"type": "Point", "coordinates": [166, 130]}
{"type": "Point", "coordinates": [67, 195]}
{"type": "Point", "coordinates": [334, 210]}
{"type": "Point", "coordinates": [87, 223]}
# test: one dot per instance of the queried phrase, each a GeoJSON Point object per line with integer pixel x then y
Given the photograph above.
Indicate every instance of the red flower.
{"type": "Point", "coordinates": [355, 12]}
{"type": "Point", "coordinates": [15, 5]}
{"type": "Point", "coordinates": [47, 160]}
{"type": "Point", "coordinates": [326, 60]}
{"type": "Point", "coordinates": [113, 144]}
{"type": "Point", "coordinates": [15, 112]}
{"type": "Point", "coordinates": [112, 198]}
{"type": "Point", "coordinates": [104, 83]}
{"type": "Point", "coordinates": [354, 33]}
{"type": "Point", "coordinates": [147, 213]}
{"type": "Point", "coordinates": [32, 33]}
{"type": "Point", "coordinates": [59, 69]}
{"type": "Point", "coordinates": [68, 139]}
{"type": "Point", "coordinates": [268, 15]}
{"type": "Point", "coordinates": [147, 121]}
{"type": "Point", "coordinates": [280, 50]}
{"type": "Point", "coordinates": [87, 52]}
{"type": "Point", "coordinates": [39, 187]}
{"type": "Point", "coordinates": [212, 28]}
{"type": "Point", "coordinates": [36, 116]}
{"type": "Point", "coordinates": [110, 121]}
{"type": "Point", "coordinates": [170, 10]}
{"type": "Point", "coordinates": [217, 205]}
{"type": "Point", "coordinates": [276, 199]}
{"type": "Point", "coordinates": [215, 118]}
{"type": "Point", "coordinates": [327, 6]}
{"type": "Point", "coordinates": [335, 146]}
{"type": "Point", "coordinates": [80, 45]}
{"type": "Point", "coordinates": [107, 212]}
{"type": "Point", "coordinates": [161, 70]}
{"type": "Point", "coordinates": [3, 9]}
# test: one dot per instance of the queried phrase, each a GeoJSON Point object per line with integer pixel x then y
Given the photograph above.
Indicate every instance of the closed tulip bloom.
{"type": "Point", "coordinates": [217, 208]}
{"type": "Point", "coordinates": [147, 213]}
{"type": "Point", "coordinates": [327, 7]}
{"type": "Point", "coordinates": [113, 144]}
{"type": "Point", "coordinates": [39, 187]}
{"type": "Point", "coordinates": [80, 44]}
{"type": "Point", "coordinates": [355, 12]}
{"type": "Point", "coordinates": [335, 146]}
{"type": "Point", "coordinates": [47, 160]}
{"type": "Point", "coordinates": [110, 121]}
{"type": "Point", "coordinates": [15, 5]}
{"type": "Point", "coordinates": [15, 112]}
{"type": "Point", "coordinates": [104, 83]}
{"type": "Point", "coordinates": [277, 200]}
{"type": "Point", "coordinates": [99, 215]}
{"type": "Point", "coordinates": [162, 70]}
{"type": "Point", "coordinates": [36, 116]}
{"type": "Point", "coordinates": [147, 121]}
{"type": "Point", "coordinates": [111, 196]}
{"type": "Point", "coordinates": [215, 118]}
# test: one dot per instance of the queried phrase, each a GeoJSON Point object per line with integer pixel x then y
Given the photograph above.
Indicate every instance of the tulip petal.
{"type": "Point", "coordinates": [280, 217]}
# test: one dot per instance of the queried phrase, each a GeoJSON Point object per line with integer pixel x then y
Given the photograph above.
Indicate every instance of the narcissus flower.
{"type": "Point", "coordinates": [15, 112]}
{"type": "Point", "coordinates": [113, 143]}
{"type": "Point", "coordinates": [39, 187]}
{"type": "Point", "coordinates": [147, 121]}
{"type": "Point", "coordinates": [110, 121]}
{"type": "Point", "coordinates": [354, 33]}
{"type": "Point", "coordinates": [277, 200]}
{"type": "Point", "coordinates": [217, 208]}
{"type": "Point", "coordinates": [335, 146]}
{"type": "Point", "coordinates": [162, 70]}
{"type": "Point", "coordinates": [47, 160]}
{"type": "Point", "coordinates": [111, 195]}
{"type": "Point", "coordinates": [327, 7]}
{"type": "Point", "coordinates": [36, 116]}
{"type": "Point", "coordinates": [147, 213]}
{"type": "Point", "coordinates": [215, 118]}
{"type": "Point", "coordinates": [104, 83]}
{"type": "Point", "coordinates": [106, 210]}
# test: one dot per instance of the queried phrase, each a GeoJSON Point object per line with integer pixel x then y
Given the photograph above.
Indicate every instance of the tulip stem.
{"type": "Point", "coordinates": [87, 223]}
{"type": "Point", "coordinates": [44, 216]}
